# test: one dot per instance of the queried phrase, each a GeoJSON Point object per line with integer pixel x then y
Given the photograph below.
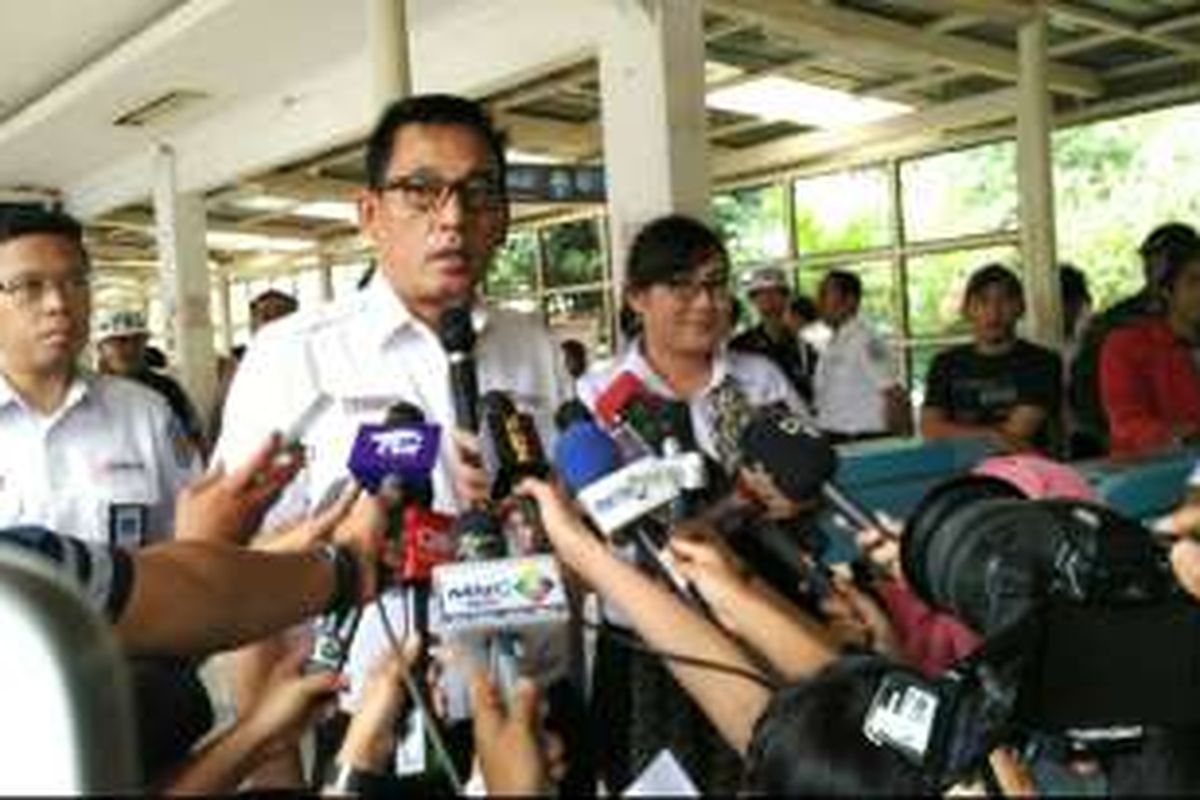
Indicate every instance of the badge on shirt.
{"type": "Point", "coordinates": [127, 524]}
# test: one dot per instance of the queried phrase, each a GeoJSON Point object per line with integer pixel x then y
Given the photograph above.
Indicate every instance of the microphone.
{"type": "Point", "coordinates": [627, 409]}
{"type": "Point", "coordinates": [456, 332]}
{"type": "Point", "coordinates": [512, 449]}
{"type": "Point", "coordinates": [801, 461]}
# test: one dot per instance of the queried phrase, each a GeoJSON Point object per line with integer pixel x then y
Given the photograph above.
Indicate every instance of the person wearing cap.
{"type": "Point", "coordinates": [95, 455]}
{"type": "Point", "coordinates": [269, 306]}
{"type": "Point", "coordinates": [1164, 246]}
{"type": "Point", "coordinates": [999, 386]}
{"type": "Point", "coordinates": [858, 394]}
{"type": "Point", "coordinates": [773, 336]}
{"type": "Point", "coordinates": [121, 337]}
{"type": "Point", "coordinates": [1149, 380]}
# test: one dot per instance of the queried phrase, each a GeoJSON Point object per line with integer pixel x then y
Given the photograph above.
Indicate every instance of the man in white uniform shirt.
{"type": "Point", "coordinates": [435, 211]}
{"type": "Point", "coordinates": [858, 395]}
{"type": "Point", "coordinates": [92, 456]}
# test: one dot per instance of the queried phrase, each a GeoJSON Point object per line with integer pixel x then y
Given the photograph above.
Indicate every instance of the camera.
{"type": "Point", "coordinates": [1088, 637]}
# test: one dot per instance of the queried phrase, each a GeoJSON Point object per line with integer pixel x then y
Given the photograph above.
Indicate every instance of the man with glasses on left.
{"type": "Point", "coordinates": [96, 457]}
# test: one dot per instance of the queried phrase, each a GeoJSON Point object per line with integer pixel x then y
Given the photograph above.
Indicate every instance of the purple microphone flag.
{"type": "Point", "coordinates": [407, 451]}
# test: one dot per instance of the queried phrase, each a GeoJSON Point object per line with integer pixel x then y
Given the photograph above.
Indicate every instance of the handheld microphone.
{"type": "Point", "coordinates": [512, 449]}
{"type": "Point", "coordinates": [625, 408]}
{"type": "Point", "coordinates": [801, 461]}
{"type": "Point", "coordinates": [456, 332]}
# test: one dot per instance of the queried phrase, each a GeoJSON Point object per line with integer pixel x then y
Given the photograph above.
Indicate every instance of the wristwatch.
{"type": "Point", "coordinates": [352, 781]}
{"type": "Point", "coordinates": [345, 578]}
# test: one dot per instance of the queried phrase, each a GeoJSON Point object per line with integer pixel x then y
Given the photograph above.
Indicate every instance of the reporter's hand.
{"type": "Point", "coordinates": [854, 618]}
{"type": "Point", "coordinates": [371, 738]}
{"type": "Point", "coordinates": [228, 507]}
{"type": "Point", "coordinates": [508, 740]}
{"type": "Point", "coordinates": [1185, 562]}
{"type": "Point", "coordinates": [364, 532]}
{"type": "Point", "coordinates": [711, 567]}
{"type": "Point", "coordinates": [881, 548]}
{"type": "Point", "coordinates": [761, 486]}
{"type": "Point", "coordinates": [290, 703]}
{"type": "Point", "coordinates": [471, 482]}
{"type": "Point", "coordinates": [574, 543]}
{"type": "Point", "coordinates": [312, 530]}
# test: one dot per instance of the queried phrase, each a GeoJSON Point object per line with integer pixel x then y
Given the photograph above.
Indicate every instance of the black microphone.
{"type": "Point", "coordinates": [457, 334]}
{"type": "Point", "coordinates": [512, 448]}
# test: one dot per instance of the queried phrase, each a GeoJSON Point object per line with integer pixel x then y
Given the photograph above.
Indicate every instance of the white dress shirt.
{"type": "Point", "coordinates": [853, 372]}
{"type": "Point", "coordinates": [105, 467]}
{"type": "Point", "coordinates": [760, 380]}
{"type": "Point", "coordinates": [366, 352]}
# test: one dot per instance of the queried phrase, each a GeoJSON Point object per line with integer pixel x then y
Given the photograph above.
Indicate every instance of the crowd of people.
{"type": "Point", "coordinates": [745, 665]}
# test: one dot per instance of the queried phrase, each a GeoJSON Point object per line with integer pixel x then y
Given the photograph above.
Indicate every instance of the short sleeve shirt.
{"type": "Point", "coordinates": [977, 389]}
{"type": "Point", "coordinates": [105, 467]}
{"type": "Point", "coordinates": [102, 573]}
{"type": "Point", "coordinates": [854, 370]}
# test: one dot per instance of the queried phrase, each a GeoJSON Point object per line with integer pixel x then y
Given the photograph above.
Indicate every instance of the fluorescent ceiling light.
{"type": "Point", "coordinates": [264, 202]}
{"type": "Point", "coordinates": [328, 209]}
{"type": "Point", "coordinates": [776, 98]}
{"type": "Point", "coordinates": [226, 240]}
{"type": "Point", "coordinates": [525, 157]}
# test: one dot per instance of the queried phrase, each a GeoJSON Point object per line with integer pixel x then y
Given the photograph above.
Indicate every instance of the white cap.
{"type": "Point", "coordinates": [765, 278]}
{"type": "Point", "coordinates": [120, 322]}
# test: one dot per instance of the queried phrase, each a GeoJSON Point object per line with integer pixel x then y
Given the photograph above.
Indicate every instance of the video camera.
{"type": "Point", "coordinates": [1089, 639]}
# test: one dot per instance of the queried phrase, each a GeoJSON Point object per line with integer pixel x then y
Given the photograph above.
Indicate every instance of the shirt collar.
{"type": "Point", "coordinates": [388, 317]}
{"type": "Point", "coordinates": [634, 361]}
{"type": "Point", "coordinates": [82, 385]}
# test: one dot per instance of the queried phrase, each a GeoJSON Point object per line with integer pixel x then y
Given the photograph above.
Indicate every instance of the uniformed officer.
{"type": "Point", "coordinates": [435, 210]}
{"type": "Point", "coordinates": [98, 457]}
{"type": "Point", "coordinates": [858, 394]}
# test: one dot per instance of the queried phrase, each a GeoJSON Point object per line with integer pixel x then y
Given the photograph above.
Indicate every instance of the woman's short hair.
{"type": "Point", "coordinates": [668, 247]}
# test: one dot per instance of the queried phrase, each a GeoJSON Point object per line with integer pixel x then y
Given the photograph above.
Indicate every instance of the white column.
{"type": "Point", "coordinates": [387, 51]}
{"type": "Point", "coordinates": [226, 297]}
{"type": "Point", "coordinates": [325, 269]}
{"type": "Point", "coordinates": [179, 222]}
{"type": "Point", "coordinates": [655, 137]}
{"type": "Point", "coordinates": [1035, 182]}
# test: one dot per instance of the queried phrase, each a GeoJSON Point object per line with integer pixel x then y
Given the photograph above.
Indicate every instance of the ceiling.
{"type": "Point", "coordinates": [953, 62]}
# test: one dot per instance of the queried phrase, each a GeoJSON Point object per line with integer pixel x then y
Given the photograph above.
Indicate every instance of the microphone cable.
{"type": "Point", "coordinates": [633, 643]}
{"type": "Point", "coordinates": [431, 727]}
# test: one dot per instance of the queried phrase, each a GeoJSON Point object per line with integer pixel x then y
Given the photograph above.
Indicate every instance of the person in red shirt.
{"type": "Point", "coordinates": [1149, 379]}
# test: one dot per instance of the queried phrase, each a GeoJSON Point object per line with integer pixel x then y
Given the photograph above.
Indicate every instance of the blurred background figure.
{"type": "Point", "coordinates": [777, 334]}
{"type": "Point", "coordinates": [121, 350]}
{"type": "Point", "coordinates": [269, 306]}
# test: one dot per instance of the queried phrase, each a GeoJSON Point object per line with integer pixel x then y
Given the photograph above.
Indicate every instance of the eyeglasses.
{"type": "Point", "coordinates": [30, 290]}
{"type": "Point", "coordinates": [428, 193]}
{"type": "Point", "coordinates": [685, 290]}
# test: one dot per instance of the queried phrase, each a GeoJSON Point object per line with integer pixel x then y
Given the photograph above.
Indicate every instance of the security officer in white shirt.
{"type": "Point", "coordinates": [96, 457]}
{"type": "Point", "coordinates": [858, 395]}
{"type": "Point", "coordinates": [435, 211]}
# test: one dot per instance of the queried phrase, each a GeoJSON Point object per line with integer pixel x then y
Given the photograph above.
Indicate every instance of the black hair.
{"type": "Point", "coordinates": [993, 275]}
{"type": "Point", "coordinates": [668, 247]}
{"type": "Point", "coordinates": [429, 109]}
{"type": "Point", "coordinates": [810, 739]}
{"type": "Point", "coordinates": [804, 307]}
{"type": "Point", "coordinates": [19, 221]}
{"type": "Point", "coordinates": [573, 349]}
{"type": "Point", "coordinates": [1073, 287]}
{"type": "Point", "coordinates": [737, 311]}
{"type": "Point", "coordinates": [847, 283]}
{"type": "Point", "coordinates": [629, 323]}
{"type": "Point", "coordinates": [274, 294]}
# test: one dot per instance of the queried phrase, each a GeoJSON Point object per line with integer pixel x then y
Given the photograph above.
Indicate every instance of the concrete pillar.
{"type": "Point", "coordinates": [655, 136]}
{"type": "Point", "coordinates": [387, 51]}
{"type": "Point", "coordinates": [179, 222]}
{"type": "Point", "coordinates": [1035, 183]}
{"type": "Point", "coordinates": [226, 298]}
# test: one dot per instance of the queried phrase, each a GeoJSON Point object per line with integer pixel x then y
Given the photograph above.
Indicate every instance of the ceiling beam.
{"type": "Point", "coordinates": [830, 27]}
{"type": "Point", "coordinates": [1004, 10]}
{"type": "Point", "coordinates": [1115, 25]}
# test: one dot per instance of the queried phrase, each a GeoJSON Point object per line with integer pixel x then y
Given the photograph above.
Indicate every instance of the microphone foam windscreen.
{"type": "Point", "coordinates": [571, 413]}
{"type": "Point", "coordinates": [403, 413]}
{"type": "Point", "coordinates": [612, 402]}
{"type": "Point", "coordinates": [456, 330]}
{"type": "Point", "coordinates": [796, 456]}
{"type": "Point", "coordinates": [583, 454]}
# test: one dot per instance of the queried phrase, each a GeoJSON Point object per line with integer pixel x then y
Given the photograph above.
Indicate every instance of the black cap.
{"type": "Point", "coordinates": [403, 413]}
{"type": "Point", "coordinates": [456, 330]}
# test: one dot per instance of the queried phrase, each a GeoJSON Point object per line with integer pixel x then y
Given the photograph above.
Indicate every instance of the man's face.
{"type": "Point", "coordinates": [269, 309]}
{"type": "Point", "coordinates": [123, 355]}
{"type": "Point", "coordinates": [434, 246]}
{"type": "Point", "coordinates": [771, 303]}
{"type": "Point", "coordinates": [993, 313]}
{"type": "Point", "coordinates": [45, 305]}
{"type": "Point", "coordinates": [1183, 303]}
{"type": "Point", "coordinates": [832, 304]}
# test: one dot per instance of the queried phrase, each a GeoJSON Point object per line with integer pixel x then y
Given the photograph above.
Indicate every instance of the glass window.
{"type": "Point", "coordinates": [752, 224]}
{"type": "Point", "coordinates": [960, 193]}
{"type": "Point", "coordinates": [580, 315]}
{"type": "Point", "coordinates": [513, 272]}
{"type": "Point", "coordinates": [843, 211]}
{"type": "Point", "coordinates": [879, 292]}
{"type": "Point", "coordinates": [573, 254]}
{"type": "Point", "coordinates": [935, 288]}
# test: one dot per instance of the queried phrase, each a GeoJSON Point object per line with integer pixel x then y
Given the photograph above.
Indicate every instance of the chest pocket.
{"type": "Point", "coordinates": [126, 496]}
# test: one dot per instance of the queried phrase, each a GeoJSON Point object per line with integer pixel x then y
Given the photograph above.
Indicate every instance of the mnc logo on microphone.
{"type": "Point", "coordinates": [488, 595]}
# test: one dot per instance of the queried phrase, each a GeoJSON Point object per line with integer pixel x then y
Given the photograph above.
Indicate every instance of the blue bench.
{"type": "Point", "coordinates": [1144, 489]}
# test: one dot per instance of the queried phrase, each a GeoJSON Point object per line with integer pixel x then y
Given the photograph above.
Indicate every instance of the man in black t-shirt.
{"type": "Point", "coordinates": [999, 387]}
